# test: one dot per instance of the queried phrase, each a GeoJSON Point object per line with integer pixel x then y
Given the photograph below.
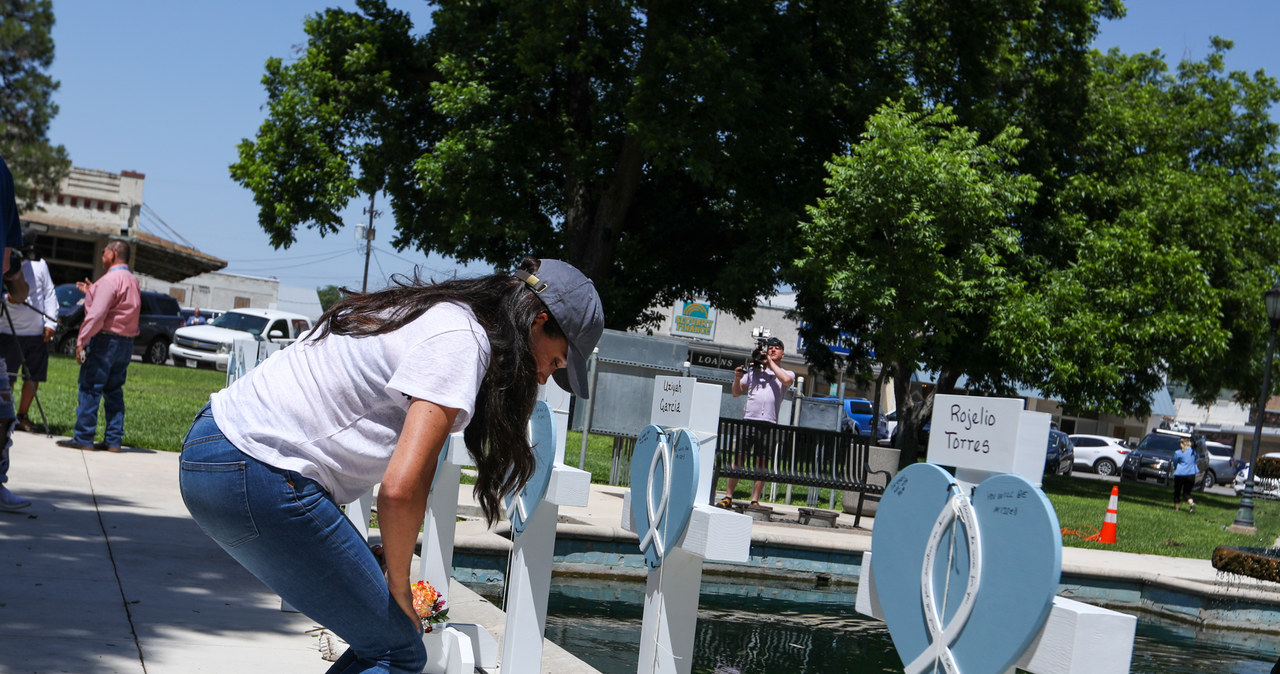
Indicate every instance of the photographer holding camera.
{"type": "Point", "coordinates": [763, 380]}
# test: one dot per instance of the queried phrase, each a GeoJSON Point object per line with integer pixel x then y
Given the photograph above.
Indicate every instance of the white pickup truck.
{"type": "Point", "coordinates": [210, 344]}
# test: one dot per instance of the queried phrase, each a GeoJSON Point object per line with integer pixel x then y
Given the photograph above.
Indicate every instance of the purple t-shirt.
{"type": "Point", "coordinates": [764, 394]}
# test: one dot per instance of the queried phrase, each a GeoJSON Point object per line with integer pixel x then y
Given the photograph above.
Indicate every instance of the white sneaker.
{"type": "Point", "coordinates": [11, 502]}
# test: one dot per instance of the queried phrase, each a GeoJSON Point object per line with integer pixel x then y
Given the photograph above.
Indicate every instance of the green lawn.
{"type": "Point", "coordinates": [161, 400]}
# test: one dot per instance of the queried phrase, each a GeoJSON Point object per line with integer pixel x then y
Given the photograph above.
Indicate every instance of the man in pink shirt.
{"type": "Point", "coordinates": [104, 349]}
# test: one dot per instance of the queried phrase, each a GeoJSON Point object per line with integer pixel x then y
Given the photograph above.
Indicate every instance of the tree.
{"type": "Point", "coordinates": [913, 250]}
{"type": "Point", "coordinates": [329, 296]}
{"type": "Point", "coordinates": [666, 148]}
{"type": "Point", "coordinates": [26, 99]}
{"type": "Point", "coordinates": [347, 118]}
{"type": "Point", "coordinates": [1143, 258]}
{"type": "Point", "coordinates": [1167, 236]}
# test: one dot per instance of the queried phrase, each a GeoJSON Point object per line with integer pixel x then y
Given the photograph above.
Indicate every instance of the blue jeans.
{"type": "Point", "coordinates": [287, 531]}
{"type": "Point", "coordinates": [102, 378]}
{"type": "Point", "coordinates": [7, 419]}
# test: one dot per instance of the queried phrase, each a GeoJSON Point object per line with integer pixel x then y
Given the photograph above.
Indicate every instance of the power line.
{"type": "Point", "coordinates": [151, 213]}
{"type": "Point", "coordinates": [292, 256]}
{"type": "Point", "coordinates": [301, 264]}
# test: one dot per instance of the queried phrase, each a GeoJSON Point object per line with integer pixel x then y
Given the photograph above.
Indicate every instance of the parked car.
{"type": "Point", "coordinates": [160, 317]}
{"type": "Point", "coordinates": [858, 414]}
{"type": "Point", "coordinates": [1060, 454]}
{"type": "Point", "coordinates": [1152, 459]}
{"type": "Point", "coordinates": [210, 344]}
{"type": "Point", "coordinates": [1099, 453]}
{"type": "Point", "coordinates": [1263, 486]}
{"type": "Point", "coordinates": [1223, 464]}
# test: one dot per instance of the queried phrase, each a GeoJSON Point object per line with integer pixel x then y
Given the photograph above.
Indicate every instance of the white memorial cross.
{"type": "Point", "coordinates": [997, 448]}
{"type": "Point", "coordinates": [686, 416]}
{"type": "Point", "coordinates": [533, 532]}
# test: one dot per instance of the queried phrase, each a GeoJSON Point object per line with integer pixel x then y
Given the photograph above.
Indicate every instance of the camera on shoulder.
{"type": "Point", "coordinates": [760, 355]}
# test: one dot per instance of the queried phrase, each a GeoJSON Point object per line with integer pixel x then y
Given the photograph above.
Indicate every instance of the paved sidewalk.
{"type": "Point", "coordinates": [106, 572]}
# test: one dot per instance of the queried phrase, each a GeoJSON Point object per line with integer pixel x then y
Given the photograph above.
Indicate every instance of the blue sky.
{"type": "Point", "coordinates": [169, 88]}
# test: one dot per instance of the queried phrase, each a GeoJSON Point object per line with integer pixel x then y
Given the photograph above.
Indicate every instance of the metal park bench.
{"type": "Point", "coordinates": [807, 457]}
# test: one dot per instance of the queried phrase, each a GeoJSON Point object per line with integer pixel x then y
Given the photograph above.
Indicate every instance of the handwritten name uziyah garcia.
{"type": "Point", "coordinates": [674, 388]}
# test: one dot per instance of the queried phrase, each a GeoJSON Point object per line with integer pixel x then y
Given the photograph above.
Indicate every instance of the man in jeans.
{"type": "Point", "coordinates": [16, 286]}
{"type": "Point", "coordinates": [104, 347]}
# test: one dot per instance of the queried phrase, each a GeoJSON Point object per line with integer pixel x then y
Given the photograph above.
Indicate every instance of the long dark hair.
{"type": "Point", "coordinates": [505, 308]}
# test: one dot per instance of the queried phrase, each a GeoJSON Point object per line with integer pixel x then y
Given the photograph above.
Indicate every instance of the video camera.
{"type": "Point", "coordinates": [760, 355]}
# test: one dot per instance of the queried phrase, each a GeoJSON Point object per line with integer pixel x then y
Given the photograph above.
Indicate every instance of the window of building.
{"type": "Point", "coordinates": [179, 294]}
{"type": "Point", "coordinates": [240, 303]}
{"type": "Point", "coordinates": [115, 208]}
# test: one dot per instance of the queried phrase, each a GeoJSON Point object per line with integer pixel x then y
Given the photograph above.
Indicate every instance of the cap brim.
{"type": "Point", "coordinates": [574, 377]}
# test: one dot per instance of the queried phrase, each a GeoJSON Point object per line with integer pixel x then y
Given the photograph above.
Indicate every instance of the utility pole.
{"type": "Point", "coordinates": [368, 241]}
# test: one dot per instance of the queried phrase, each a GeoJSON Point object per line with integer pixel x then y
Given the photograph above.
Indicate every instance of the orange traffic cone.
{"type": "Point", "coordinates": [1108, 533]}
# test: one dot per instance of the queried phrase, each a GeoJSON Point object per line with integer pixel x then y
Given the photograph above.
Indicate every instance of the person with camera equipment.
{"type": "Point", "coordinates": [763, 381]}
{"type": "Point", "coordinates": [370, 395]}
{"type": "Point", "coordinates": [16, 288]}
{"type": "Point", "coordinates": [26, 330]}
{"type": "Point", "coordinates": [104, 349]}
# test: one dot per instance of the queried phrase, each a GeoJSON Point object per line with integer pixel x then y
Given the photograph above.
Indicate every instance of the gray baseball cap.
{"type": "Point", "coordinates": [572, 300]}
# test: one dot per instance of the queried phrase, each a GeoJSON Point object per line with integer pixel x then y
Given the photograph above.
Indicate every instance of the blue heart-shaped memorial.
{"type": "Point", "coordinates": [664, 480]}
{"type": "Point", "coordinates": [542, 436]}
{"type": "Point", "coordinates": [964, 584]}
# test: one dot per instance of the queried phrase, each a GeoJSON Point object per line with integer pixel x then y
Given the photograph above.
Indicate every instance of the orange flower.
{"type": "Point", "coordinates": [424, 599]}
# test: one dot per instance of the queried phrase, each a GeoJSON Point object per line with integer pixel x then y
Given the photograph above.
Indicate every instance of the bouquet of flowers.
{"type": "Point", "coordinates": [429, 605]}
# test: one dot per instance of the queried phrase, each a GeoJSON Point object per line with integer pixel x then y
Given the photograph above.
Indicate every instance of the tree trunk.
{"type": "Point", "coordinates": [910, 423]}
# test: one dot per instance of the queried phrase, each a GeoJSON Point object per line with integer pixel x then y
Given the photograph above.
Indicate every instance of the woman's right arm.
{"type": "Point", "coordinates": [402, 498]}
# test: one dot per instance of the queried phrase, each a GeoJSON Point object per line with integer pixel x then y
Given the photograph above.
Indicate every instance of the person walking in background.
{"type": "Point", "coordinates": [195, 318]}
{"type": "Point", "coordinates": [763, 384]}
{"type": "Point", "coordinates": [25, 334]}
{"type": "Point", "coordinates": [1184, 474]}
{"type": "Point", "coordinates": [104, 348]}
{"type": "Point", "coordinates": [16, 288]}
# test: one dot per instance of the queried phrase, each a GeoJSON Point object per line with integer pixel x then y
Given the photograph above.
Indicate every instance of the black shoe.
{"type": "Point", "coordinates": [104, 447]}
{"type": "Point", "coordinates": [726, 503]}
{"type": "Point", "coordinates": [72, 444]}
{"type": "Point", "coordinates": [24, 424]}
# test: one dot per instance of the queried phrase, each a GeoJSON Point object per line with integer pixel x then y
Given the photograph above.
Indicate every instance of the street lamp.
{"type": "Point", "coordinates": [1244, 517]}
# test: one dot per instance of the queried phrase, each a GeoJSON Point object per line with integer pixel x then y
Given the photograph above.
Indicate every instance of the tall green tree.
{"type": "Point", "coordinates": [26, 98]}
{"type": "Point", "coordinates": [1142, 259]}
{"type": "Point", "coordinates": [666, 148]}
{"type": "Point", "coordinates": [913, 250]}
{"type": "Point", "coordinates": [1166, 237]}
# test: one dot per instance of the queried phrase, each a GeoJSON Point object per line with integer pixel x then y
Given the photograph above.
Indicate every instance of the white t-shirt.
{"type": "Point", "coordinates": [26, 319]}
{"type": "Point", "coordinates": [332, 409]}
